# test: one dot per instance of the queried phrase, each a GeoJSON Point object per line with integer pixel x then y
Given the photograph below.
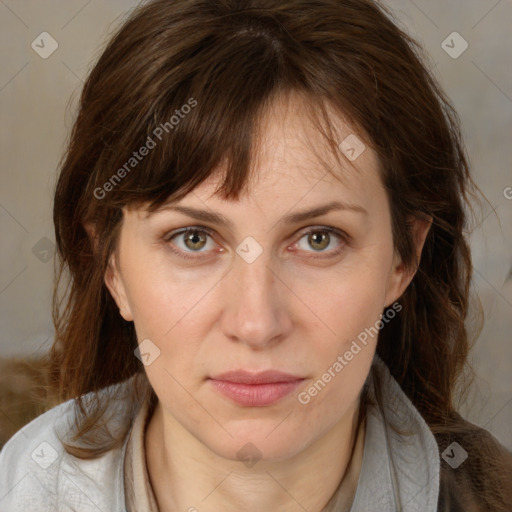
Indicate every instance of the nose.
{"type": "Point", "coordinates": [255, 312]}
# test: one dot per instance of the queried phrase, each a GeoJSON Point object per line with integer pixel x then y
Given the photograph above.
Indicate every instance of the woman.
{"type": "Point", "coordinates": [261, 210]}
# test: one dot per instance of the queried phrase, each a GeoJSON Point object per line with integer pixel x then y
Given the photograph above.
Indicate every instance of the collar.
{"type": "Point", "coordinates": [138, 491]}
{"type": "Point", "coordinates": [401, 465]}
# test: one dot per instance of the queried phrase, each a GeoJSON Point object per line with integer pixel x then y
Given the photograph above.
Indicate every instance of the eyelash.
{"type": "Point", "coordinates": [315, 229]}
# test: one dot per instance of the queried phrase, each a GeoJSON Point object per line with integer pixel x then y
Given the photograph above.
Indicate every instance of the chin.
{"type": "Point", "coordinates": [251, 444]}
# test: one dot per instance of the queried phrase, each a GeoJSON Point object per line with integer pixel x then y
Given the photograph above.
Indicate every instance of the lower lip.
{"type": "Point", "coordinates": [255, 395]}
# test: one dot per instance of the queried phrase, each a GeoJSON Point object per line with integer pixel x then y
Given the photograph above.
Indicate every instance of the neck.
{"type": "Point", "coordinates": [186, 475]}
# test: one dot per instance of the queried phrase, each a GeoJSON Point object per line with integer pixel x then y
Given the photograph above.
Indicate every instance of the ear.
{"type": "Point", "coordinates": [401, 275]}
{"type": "Point", "coordinates": [91, 231]}
{"type": "Point", "coordinates": [112, 277]}
{"type": "Point", "coordinates": [114, 283]}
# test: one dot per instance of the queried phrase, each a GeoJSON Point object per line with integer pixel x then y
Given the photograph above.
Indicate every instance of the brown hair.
{"type": "Point", "coordinates": [227, 60]}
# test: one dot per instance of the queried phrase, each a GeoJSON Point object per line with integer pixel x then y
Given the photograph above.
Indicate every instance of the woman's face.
{"type": "Point", "coordinates": [267, 288]}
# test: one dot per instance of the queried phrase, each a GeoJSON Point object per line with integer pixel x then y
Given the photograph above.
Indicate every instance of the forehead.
{"type": "Point", "coordinates": [293, 153]}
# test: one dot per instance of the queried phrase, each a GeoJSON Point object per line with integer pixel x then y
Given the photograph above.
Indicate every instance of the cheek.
{"type": "Point", "coordinates": [352, 299]}
{"type": "Point", "coordinates": [350, 310]}
{"type": "Point", "coordinates": [163, 298]}
{"type": "Point", "coordinates": [172, 310]}
{"type": "Point", "coordinates": [342, 357]}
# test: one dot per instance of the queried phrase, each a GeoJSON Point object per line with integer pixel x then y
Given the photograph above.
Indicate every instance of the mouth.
{"type": "Point", "coordinates": [255, 389]}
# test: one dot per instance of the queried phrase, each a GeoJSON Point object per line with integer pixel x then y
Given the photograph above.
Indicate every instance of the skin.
{"type": "Point", "coordinates": [296, 308]}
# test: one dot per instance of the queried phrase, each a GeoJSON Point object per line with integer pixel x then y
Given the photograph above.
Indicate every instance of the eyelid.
{"type": "Point", "coordinates": [328, 229]}
{"type": "Point", "coordinates": [171, 234]}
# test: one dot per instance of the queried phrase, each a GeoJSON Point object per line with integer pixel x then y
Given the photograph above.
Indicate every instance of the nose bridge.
{"type": "Point", "coordinates": [253, 312]}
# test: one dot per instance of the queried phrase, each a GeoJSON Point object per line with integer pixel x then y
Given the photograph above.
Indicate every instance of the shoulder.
{"type": "Point", "coordinates": [36, 473]}
{"type": "Point", "coordinates": [476, 469]}
{"type": "Point", "coordinates": [29, 461]}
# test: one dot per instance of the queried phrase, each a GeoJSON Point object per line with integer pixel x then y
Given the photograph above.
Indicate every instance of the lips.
{"type": "Point", "coordinates": [255, 389]}
{"type": "Point", "coordinates": [266, 377]}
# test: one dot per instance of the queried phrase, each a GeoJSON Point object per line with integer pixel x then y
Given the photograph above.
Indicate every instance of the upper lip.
{"type": "Point", "coordinates": [265, 377]}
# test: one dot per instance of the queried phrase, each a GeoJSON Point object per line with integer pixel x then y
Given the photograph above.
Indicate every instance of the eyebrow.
{"type": "Point", "coordinates": [292, 218]}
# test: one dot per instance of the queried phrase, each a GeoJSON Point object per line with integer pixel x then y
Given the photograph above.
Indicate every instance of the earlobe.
{"type": "Point", "coordinates": [116, 288]}
{"type": "Point", "coordinates": [401, 274]}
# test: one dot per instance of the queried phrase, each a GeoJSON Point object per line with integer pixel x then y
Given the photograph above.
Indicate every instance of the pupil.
{"type": "Point", "coordinates": [194, 239]}
{"type": "Point", "coordinates": [318, 238]}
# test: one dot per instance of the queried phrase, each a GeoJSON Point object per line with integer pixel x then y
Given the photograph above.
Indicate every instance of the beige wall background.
{"type": "Point", "coordinates": [37, 100]}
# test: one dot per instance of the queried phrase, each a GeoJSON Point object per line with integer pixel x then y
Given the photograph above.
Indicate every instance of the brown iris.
{"type": "Point", "coordinates": [318, 240]}
{"type": "Point", "coordinates": [195, 240]}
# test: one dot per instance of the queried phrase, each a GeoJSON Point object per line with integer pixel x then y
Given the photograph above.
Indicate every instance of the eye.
{"type": "Point", "coordinates": [322, 240]}
{"type": "Point", "coordinates": [190, 240]}
{"type": "Point", "coordinates": [195, 242]}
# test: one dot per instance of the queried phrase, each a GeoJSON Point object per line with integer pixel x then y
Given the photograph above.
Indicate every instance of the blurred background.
{"type": "Point", "coordinates": [47, 48]}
